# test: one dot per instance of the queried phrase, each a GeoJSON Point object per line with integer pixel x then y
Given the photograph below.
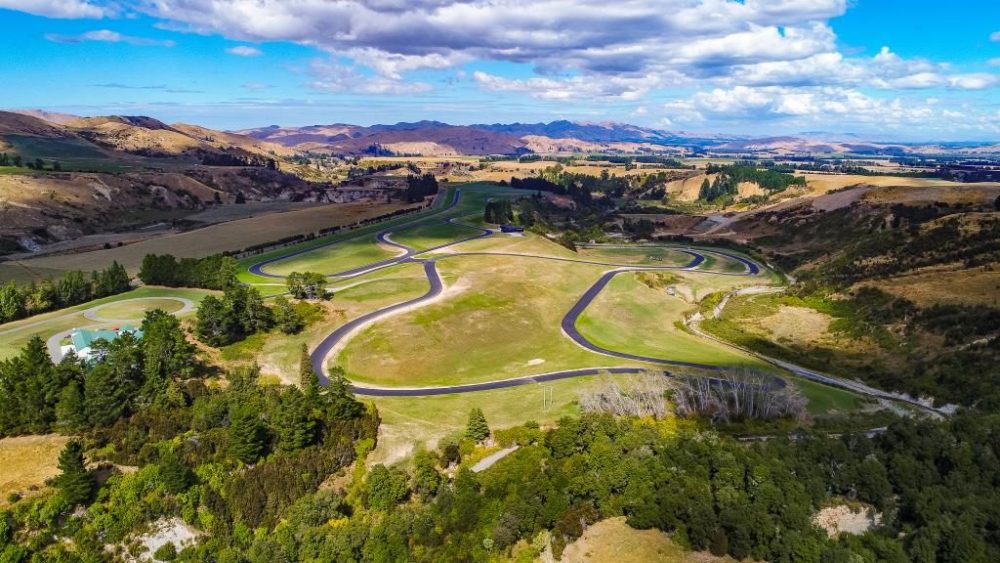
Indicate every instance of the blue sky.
{"type": "Point", "coordinates": [881, 69]}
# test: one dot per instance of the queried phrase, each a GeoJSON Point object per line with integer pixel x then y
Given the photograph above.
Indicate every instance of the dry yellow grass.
{"type": "Point", "coordinates": [934, 191]}
{"type": "Point", "coordinates": [27, 461]}
{"type": "Point", "coordinates": [797, 324]}
{"type": "Point", "coordinates": [614, 540]}
{"type": "Point", "coordinates": [960, 287]}
{"type": "Point", "coordinates": [688, 188]}
{"type": "Point", "coordinates": [901, 188]}
{"type": "Point", "coordinates": [233, 235]}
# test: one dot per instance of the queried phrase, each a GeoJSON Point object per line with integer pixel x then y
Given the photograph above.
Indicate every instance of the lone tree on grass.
{"type": "Point", "coordinates": [306, 285]}
{"type": "Point", "coordinates": [477, 428]}
{"type": "Point", "coordinates": [75, 482]}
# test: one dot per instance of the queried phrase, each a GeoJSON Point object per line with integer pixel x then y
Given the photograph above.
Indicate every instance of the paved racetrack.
{"type": "Point", "coordinates": [412, 255]}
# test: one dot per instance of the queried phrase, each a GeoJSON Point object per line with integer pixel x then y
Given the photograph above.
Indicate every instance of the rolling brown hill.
{"type": "Point", "coordinates": [429, 138]}
{"type": "Point", "coordinates": [104, 173]}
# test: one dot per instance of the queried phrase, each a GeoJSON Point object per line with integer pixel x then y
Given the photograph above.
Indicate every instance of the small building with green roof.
{"type": "Point", "coordinates": [82, 340]}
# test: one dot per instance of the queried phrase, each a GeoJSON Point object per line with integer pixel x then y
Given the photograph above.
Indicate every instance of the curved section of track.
{"type": "Point", "coordinates": [383, 238]}
{"type": "Point", "coordinates": [569, 328]}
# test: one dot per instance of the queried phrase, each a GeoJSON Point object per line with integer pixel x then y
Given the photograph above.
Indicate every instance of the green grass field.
{"type": "Point", "coordinates": [824, 399]}
{"type": "Point", "coordinates": [498, 318]}
{"type": "Point", "coordinates": [13, 336]}
{"type": "Point", "coordinates": [630, 317]}
{"type": "Point", "coordinates": [349, 254]}
{"type": "Point", "coordinates": [645, 255]}
{"type": "Point", "coordinates": [278, 355]}
{"type": "Point", "coordinates": [430, 235]}
{"type": "Point", "coordinates": [136, 310]}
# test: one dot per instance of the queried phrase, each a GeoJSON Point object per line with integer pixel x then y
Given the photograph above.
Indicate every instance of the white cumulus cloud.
{"type": "Point", "coordinates": [244, 51]}
{"type": "Point", "coordinates": [62, 9]}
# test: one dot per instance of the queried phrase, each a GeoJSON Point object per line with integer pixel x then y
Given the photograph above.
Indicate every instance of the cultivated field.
{"type": "Point", "coordinates": [232, 235]}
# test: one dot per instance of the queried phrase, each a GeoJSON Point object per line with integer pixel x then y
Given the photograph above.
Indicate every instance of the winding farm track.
{"type": "Point", "coordinates": [411, 255]}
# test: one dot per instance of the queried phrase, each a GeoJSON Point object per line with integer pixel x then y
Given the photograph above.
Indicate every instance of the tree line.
{"type": "Point", "coordinates": [212, 272]}
{"type": "Point", "coordinates": [18, 161]}
{"type": "Point", "coordinates": [227, 159]}
{"type": "Point", "coordinates": [628, 161]}
{"type": "Point", "coordinates": [498, 212]}
{"type": "Point", "coordinates": [419, 187]}
{"type": "Point", "coordinates": [18, 302]}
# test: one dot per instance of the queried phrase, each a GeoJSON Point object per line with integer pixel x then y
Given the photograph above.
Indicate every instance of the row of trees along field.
{"type": "Point", "coordinates": [18, 161]}
{"type": "Point", "coordinates": [227, 159]}
{"type": "Point", "coordinates": [212, 272]}
{"type": "Point", "coordinates": [18, 302]}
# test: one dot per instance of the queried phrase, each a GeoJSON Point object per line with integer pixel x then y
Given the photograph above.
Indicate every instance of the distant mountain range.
{"type": "Point", "coordinates": [434, 138]}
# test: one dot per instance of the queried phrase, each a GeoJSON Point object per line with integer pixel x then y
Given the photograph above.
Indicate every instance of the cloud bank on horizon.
{"type": "Point", "coordinates": [761, 66]}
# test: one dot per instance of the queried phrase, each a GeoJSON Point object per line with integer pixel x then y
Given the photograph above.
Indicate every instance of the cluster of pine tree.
{"type": "Point", "coordinates": [74, 288]}
{"type": "Point", "coordinates": [239, 313]}
{"type": "Point", "coordinates": [231, 461]}
{"type": "Point", "coordinates": [498, 212]}
{"type": "Point", "coordinates": [419, 187]}
{"type": "Point", "coordinates": [212, 272]}
{"type": "Point", "coordinates": [730, 176]}
{"type": "Point", "coordinates": [722, 187]}
{"type": "Point", "coordinates": [227, 159]}
{"type": "Point", "coordinates": [306, 285]}
{"type": "Point", "coordinates": [37, 396]}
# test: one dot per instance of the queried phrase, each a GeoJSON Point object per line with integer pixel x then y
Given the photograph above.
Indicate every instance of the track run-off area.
{"type": "Point", "coordinates": [446, 211]}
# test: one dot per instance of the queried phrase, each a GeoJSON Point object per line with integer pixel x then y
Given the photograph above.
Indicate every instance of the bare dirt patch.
{"type": "Point", "coordinates": [169, 530]}
{"type": "Point", "coordinates": [836, 200]}
{"type": "Point", "coordinates": [847, 519]}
